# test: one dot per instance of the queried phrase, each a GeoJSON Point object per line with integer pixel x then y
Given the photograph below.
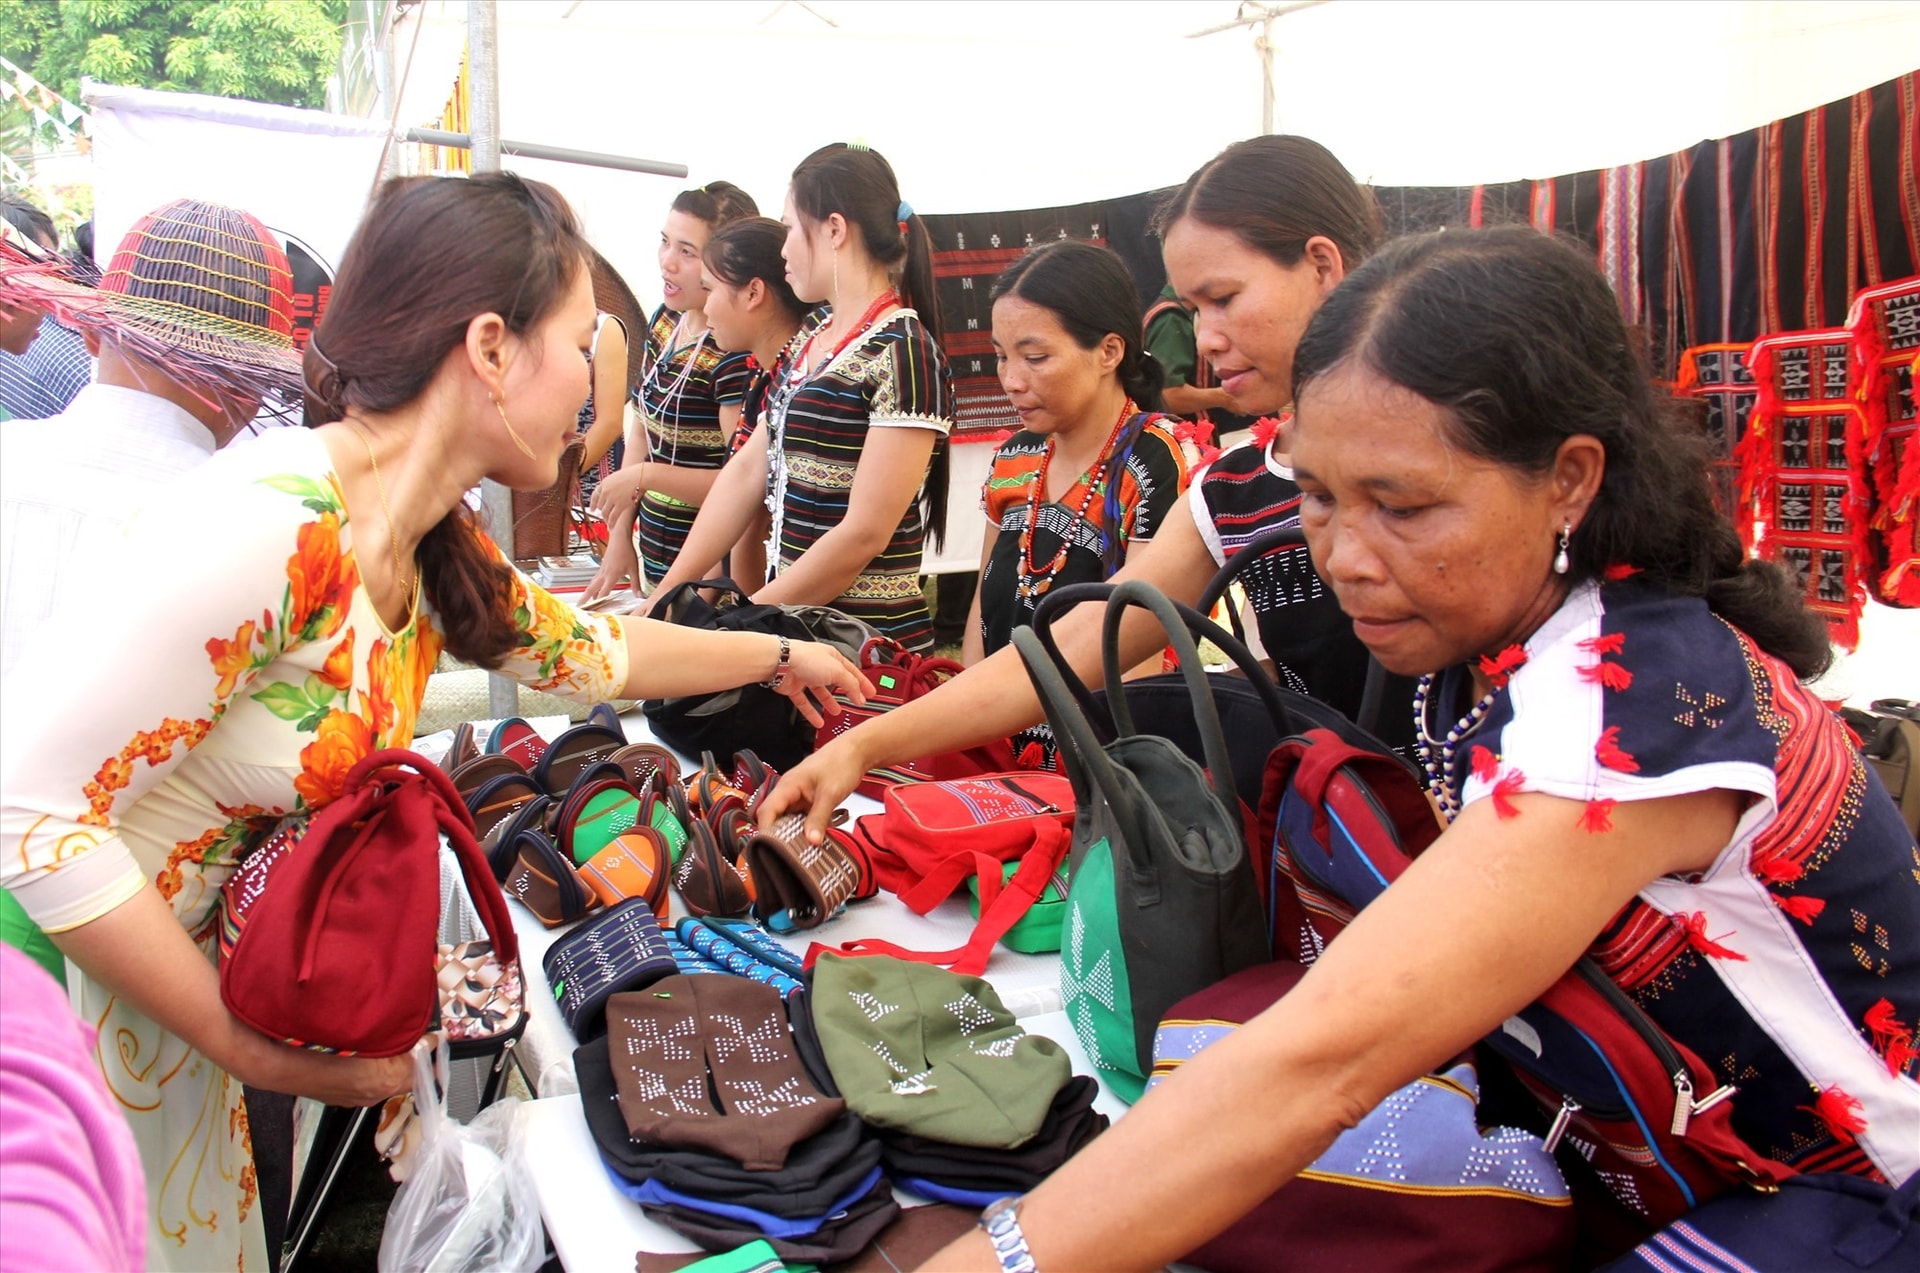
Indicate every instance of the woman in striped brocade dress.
{"type": "Point", "coordinates": [689, 399]}
{"type": "Point", "coordinates": [855, 426]}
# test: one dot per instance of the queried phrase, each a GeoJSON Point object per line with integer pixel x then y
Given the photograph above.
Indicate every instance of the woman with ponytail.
{"type": "Point", "coordinates": [689, 399]}
{"type": "Point", "coordinates": [1255, 241]}
{"type": "Point", "coordinates": [753, 311]}
{"type": "Point", "coordinates": [851, 454]}
{"type": "Point", "coordinates": [1094, 468]}
{"type": "Point", "coordinates": [290, 599]}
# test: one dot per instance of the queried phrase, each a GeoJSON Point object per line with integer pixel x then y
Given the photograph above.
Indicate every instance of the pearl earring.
{"type": "Point", "coordinates": [1561, 564]}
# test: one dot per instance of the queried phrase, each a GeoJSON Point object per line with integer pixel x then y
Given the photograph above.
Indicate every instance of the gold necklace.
{"type": "Point", "coordinates": [400, 575]}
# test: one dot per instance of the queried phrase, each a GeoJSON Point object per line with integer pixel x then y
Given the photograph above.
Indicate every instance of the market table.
{"type": "Point", "coordinates": [592, 1225]}
{"type": "Point", "coordinates": [595, 1229]}
{"type": "Point", "coordinates": [1026, 983]}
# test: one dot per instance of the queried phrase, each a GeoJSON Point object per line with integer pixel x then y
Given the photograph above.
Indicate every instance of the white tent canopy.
{"type": "Point", "coordinates": [997, 104]}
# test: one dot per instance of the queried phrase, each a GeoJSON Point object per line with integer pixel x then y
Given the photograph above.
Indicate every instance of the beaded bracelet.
{"type": "Point", "coordinates": [778, 681]}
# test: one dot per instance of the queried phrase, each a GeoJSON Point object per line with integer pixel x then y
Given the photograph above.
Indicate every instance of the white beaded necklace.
{"type": "Point", "coordinates": [673, 392]}
{"type": "Point", "coordinates": [1440, 769]}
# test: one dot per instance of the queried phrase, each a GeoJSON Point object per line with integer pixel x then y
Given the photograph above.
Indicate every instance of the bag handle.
{"type": "Point", "coordinates": [1060, 599]}
{"type": "Point", "coordinates": [1372, 692]}
{"type": "Point", "coordinates": [1206, 714]}
{"type": "Point", "coordinates": [1000, 910]}
{"type": "Point", "coordinates": [674, 597]}
{"type": "Point", "coordinates": [1070, 724]}
{"type": "Point", "coordinates": [1089, 769]}
{"type": "Point", "coordinates": [451, 814]}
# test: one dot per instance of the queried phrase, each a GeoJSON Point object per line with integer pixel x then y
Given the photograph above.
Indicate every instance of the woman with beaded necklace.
{"type": "Point", "coordinates": [1094, 468]}
{"type": "Point", "coordinates": [851, 457]}
{"type": "Point", "coordinates": [689, 397]}
{"type": "Point", "coordinates": [1638, 775]}
{"type": "Point", "coordinates": [1256, 240]}
{"type": "Point", "coordinates": [752, 309]}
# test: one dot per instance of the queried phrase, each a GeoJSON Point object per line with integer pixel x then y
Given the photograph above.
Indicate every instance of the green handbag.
{"type": "Point", "coordinates": [1038, 931]}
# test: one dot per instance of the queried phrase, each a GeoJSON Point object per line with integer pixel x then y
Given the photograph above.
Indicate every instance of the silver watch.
{"type": "Point", "coordinates": [1001, 1220]}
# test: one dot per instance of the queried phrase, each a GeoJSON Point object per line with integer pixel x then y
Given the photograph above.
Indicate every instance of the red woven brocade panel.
{"type": "Point", "coordinates": [1885, 325]}
{"type": "Point", "coordinates": [1802, 464]}
{"type": "Point", "coordinates": [1717, 376]}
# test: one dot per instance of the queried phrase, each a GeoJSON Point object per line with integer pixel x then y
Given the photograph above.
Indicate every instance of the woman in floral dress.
{"type": "Point", "coordinates": [272, 618]}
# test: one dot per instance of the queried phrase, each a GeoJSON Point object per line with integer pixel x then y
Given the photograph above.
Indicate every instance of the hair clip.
{"type": "Point", "coordinates": [857, 144]}
{"type": "Point", "coordinates": [327, 362]}
{"type": "Point", "coordinates": [903, 213]}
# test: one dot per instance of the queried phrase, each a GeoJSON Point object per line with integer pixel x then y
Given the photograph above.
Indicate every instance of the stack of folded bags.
{"type": "Point", "coordinates": [968, 1106]}
{"type": "Point", "coordinates": [720, 1118]}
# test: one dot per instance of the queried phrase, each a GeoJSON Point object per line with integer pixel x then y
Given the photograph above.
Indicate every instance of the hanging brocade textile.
{"type": "Point", "coordinates": [1885, 325]}
{"type": "Point", "coordinates": [1801, 464]}
{"type": "Point", "coordinates": [1717, 377]}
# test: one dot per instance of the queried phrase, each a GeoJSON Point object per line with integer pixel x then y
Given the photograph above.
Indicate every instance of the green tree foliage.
{"type": "Point", "coordinates": [268, 50]}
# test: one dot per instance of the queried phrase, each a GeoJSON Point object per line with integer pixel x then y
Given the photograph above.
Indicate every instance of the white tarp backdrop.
{"type": "Point", "coordinates": [994, 104]}
{"type": "Point", "coordinates": [997, 104]}
{"type": "Point", "coordinates": [303, 172]}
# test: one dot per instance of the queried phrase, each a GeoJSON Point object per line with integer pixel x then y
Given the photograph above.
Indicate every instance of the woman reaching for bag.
{"type": "Point", "coordinates": [1257, 239]}
{"type": "Point", "coordinates": [851, 456]}
{"type": "Point", "coordinates": [293, 597]}
{"type": "Point", "coordinates": [1612, 719]}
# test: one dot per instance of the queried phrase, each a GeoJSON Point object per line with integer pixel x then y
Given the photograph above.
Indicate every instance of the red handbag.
{"type": "Point", "coordinates": [329, 933]}
{"type": "Point", "coordinates": [930, 838]}
{"type": "Point", "coordinates": [899, 676]}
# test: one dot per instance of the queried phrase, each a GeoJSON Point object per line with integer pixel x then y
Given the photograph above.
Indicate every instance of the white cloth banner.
{"type": "Point", "coordinates": [304, 173]}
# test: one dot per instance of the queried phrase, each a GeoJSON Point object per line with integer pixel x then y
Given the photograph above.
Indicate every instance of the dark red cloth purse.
{"type": "Point", "coordinates": [329, 932]}
{"type": "Point", "coordinates": [899, 676]}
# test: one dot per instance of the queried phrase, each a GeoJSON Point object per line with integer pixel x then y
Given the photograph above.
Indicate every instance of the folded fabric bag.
{"type": "Point", "coordinates": [923, 1050]}
{"type": "Point", "coordinates": [329, 932]}
{"type": "Point", "coordinates": [706, 1063]}
{"type": "Point", "coordinates": [774, 1226]}
{"type": "Point", "coordinates": [1823, 1222]}
{"type": "Point", "coordinates": [1415, 1185]}
{"type": "Point", "coordinates": [1071, 1125]}
{"type": "Point", "coordinates": [616, 952]}
{"type": "Point", "coordinates": [754, 1257]}
{"type": "Point", "coordinates": [818, 1170]}
{"type": "Point", "coordinates": [843, 1235]}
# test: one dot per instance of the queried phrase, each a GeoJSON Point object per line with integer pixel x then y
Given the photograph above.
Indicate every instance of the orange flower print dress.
{"type": "Point", "coordinates": [231, 671]}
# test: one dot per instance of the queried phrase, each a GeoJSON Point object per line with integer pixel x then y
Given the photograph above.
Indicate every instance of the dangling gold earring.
{"type": "Point", "coordinates": [501, 407]}
{"type": "Point", "coordinates": [836, 275]}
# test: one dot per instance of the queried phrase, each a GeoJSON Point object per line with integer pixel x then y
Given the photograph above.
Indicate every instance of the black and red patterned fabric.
{"type": "Point", "coordinates": [1792, 963]}
{"type": "Point", "coordinates": [969, 253]}
{"type": "Point", "coordinates": [1886, 331]}
{"type": "Point", "coordinates": [1801, 465]}
{"type": "Point", "coordinates": [1716, 376]}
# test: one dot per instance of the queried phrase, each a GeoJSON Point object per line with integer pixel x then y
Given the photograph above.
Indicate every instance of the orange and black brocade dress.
{"type": "Point", "coordinates": [231, 671]}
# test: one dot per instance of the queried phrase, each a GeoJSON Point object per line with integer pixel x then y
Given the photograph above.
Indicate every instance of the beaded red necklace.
{"type": "Point", "coordinates": [886, 300]}
{"type": "Point", "coordinates": [1033, 582]}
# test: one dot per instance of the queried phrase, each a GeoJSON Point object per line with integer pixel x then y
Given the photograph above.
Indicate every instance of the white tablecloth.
{"type": "Point", "coordinates": [1027, 984]}
{"type": "Point", "coordinates": [593, 1226]}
